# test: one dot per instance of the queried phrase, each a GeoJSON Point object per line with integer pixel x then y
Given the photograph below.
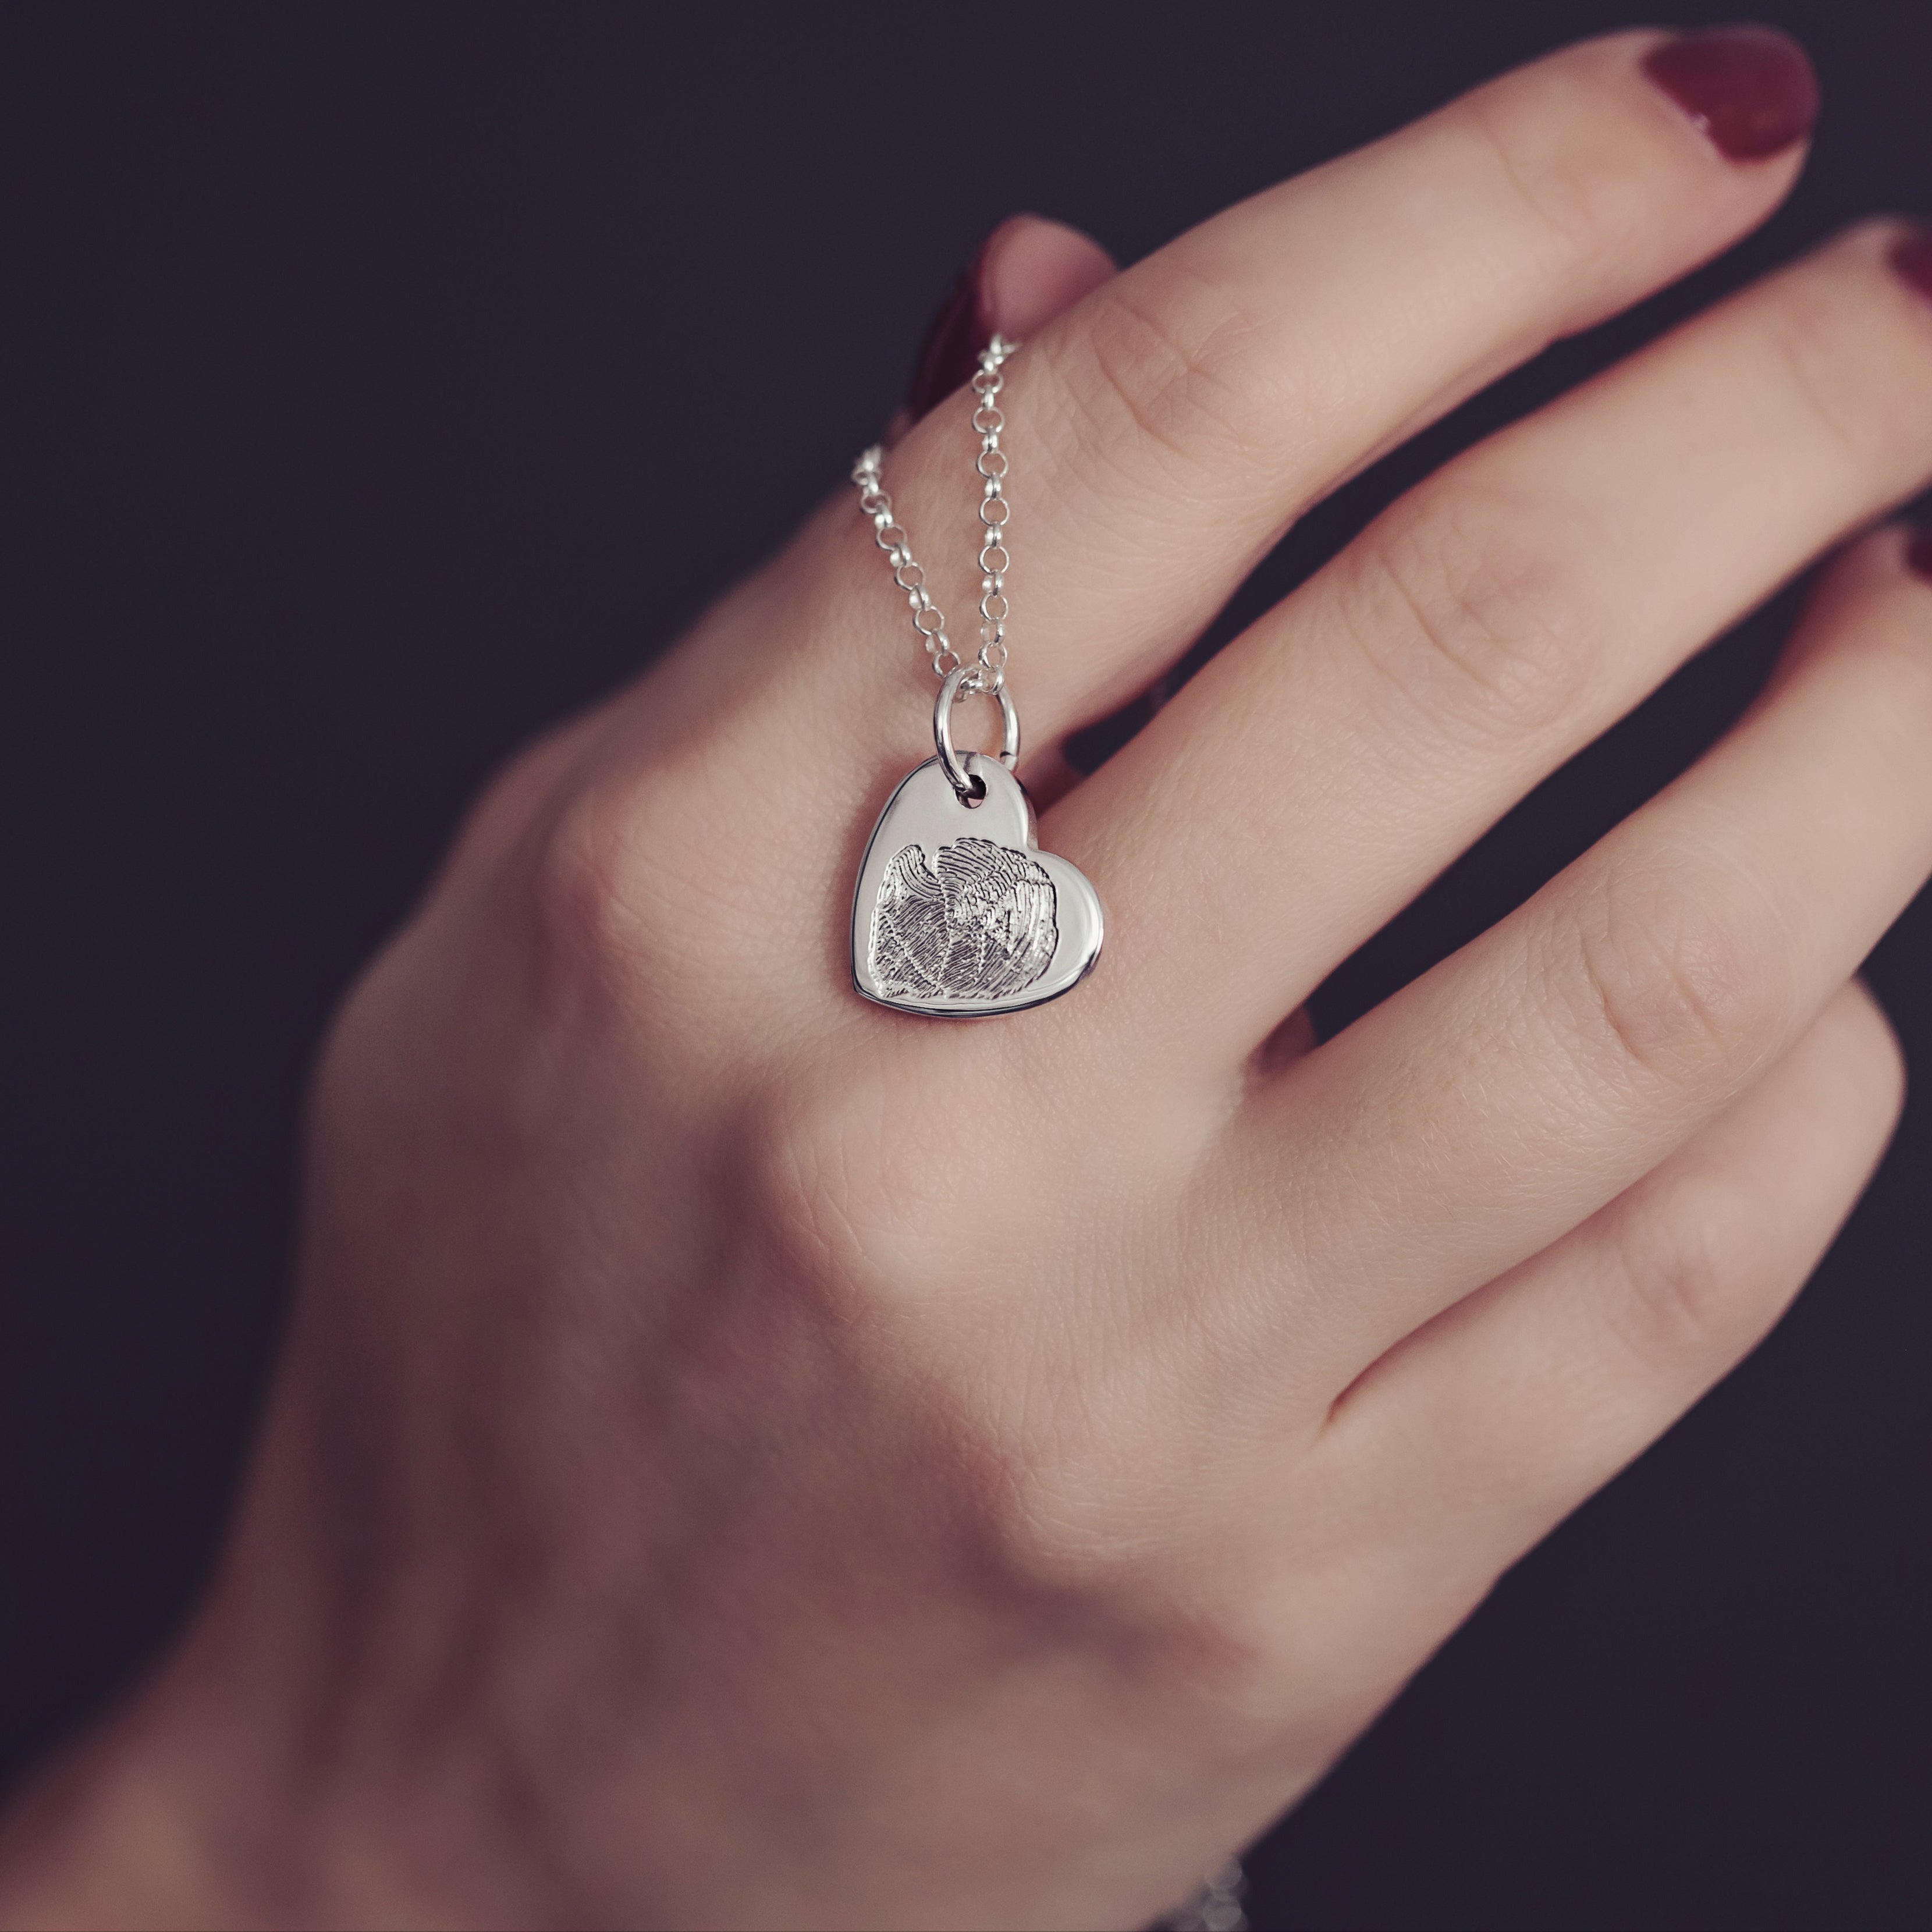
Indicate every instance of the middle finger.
{"type": "Point", "coordinates": [1334, 758]}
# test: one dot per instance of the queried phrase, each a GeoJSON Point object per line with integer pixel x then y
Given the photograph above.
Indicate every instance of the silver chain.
{"type": "Point", "coordinates": [989, 674]}
{"type": "Point", "coordinates": [1216, 1906]}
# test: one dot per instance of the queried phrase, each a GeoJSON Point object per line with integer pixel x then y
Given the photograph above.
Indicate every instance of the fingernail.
{"type": "Point", "coordinates": [951, 350]}
{"type": "Point", "coordinates": [1749, 90]}
{"type": "Point", "coordinates": [1919, 554]}
{"type": "Point", "coordinates": [1911, 257]}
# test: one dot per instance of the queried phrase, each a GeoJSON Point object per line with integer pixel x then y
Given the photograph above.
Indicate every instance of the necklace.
{"type": "Point", "coordinates": [957, 911]}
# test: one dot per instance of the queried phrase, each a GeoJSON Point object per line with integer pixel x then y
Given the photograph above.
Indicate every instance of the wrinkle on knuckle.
{"type": "Point", "coordinates": [1686, 1288]}
{"type": "Point", "coordinates": [1177, 377]}
{"type": "Point", "coordinates": [1474, 616]}
{"type": "Point", "coordinates": [1812, 333]}
{"type": "Point", "coordinates": [1676, 978]}
{"type": "Point", "coordinates": [1578, 213]}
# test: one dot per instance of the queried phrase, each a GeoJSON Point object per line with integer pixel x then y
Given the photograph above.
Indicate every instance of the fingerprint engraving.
{"type": "Point", "coordinates": [979, 926]}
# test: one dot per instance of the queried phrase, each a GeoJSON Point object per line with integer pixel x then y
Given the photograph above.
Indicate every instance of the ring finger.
{"type": "Point", "coordinates": [1484, 1111]}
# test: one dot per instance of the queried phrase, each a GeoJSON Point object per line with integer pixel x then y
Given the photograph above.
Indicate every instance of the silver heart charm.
{"type": "Point", "coordinates": [958, 911]}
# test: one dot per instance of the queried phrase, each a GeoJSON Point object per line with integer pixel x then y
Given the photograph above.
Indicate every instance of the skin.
{"type": "Point", "coordinates": [745, 1457]}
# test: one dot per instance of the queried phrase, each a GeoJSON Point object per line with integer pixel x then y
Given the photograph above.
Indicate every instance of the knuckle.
{"type": "Point", "coordinates": [1677, 977]}
{"type": "Point", "coordinates": [1685, 1292]}
{"type": "Point", "coordinates": [1106, 1542]}
{"type": "Point", "coordinates": [1579, 210]}
{"type": "Point", "coordinates": [629, 883]}
{"type": "Point", "coordinates": [822, 1244]}
{"type": "Point", "coordinates": [1076, 1517]}
{"type": "Point", "coordinates": [866, 1195]}
{"type": "Point", "coordinates": [580, 906]}
{"type": "Point", "coordinates": [1174, 373]}
{"type": "Point", "coordinates": [1818, 335]}
{"type": "Point", "coordinates": [1136, 1561]}
{"type": "Point", "coordinates": [1067, 1470]}
{"type": "Point", "coordinates": [1475, 615]}
{"type": "Point", "coordinates": [516, 794]}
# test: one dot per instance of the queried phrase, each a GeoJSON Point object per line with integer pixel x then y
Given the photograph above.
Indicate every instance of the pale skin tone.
{"type": "Point", "coordinates": [744, 1457]}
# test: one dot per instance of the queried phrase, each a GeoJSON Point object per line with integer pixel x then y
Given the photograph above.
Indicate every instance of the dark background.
{"type": "Point", "coordinates": [378, 385]}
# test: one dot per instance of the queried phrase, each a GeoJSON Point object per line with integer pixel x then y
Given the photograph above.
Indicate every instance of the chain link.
{"type": "Point", "coordinates": [1216, 1906]}
{"type": "Point", "coordinates": [989, 674]}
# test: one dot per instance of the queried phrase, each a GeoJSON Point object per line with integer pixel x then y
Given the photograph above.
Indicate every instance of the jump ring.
{"type": "Point", "coordinates": [956, 774]}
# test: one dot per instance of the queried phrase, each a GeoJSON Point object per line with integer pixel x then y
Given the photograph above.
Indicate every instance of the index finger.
{"type": "Point", "coordinates": [1164, 433]}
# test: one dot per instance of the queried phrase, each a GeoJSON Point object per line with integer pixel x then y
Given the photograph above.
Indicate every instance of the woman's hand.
{"type": "Point", "coordinates": [745, 1457]}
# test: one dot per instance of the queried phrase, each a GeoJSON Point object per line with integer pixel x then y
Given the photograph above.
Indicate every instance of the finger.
{"type": "Point", "coordinates": [1163, 432]}
{"type": "Point", "coordinates": [1028, 271]}
{"type": "Point", "coordinates": [1497, 1102]}
{"type": "Point", "coordinates": [1036, 271]}
{"type": "Point", "coordinates": [1482, 1430]}
{"type": "Point", "coordinates": [1335, 758]}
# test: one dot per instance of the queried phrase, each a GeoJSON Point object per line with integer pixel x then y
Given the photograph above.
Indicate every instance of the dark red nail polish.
{"type": "Point", "coordinates": [1749, 90]}
{"type": "Point", "coordinates": [1918, 554]}
{"type": "Point", "coordinates": [951, 350]}
{"type": "Point", "coordinates": [1912, 258]}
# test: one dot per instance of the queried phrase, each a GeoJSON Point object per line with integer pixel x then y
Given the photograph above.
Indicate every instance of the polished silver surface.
{"type": "Point", "coordinates": [957, 912]}
{"type": "Point", "coordinates": [956, 680]}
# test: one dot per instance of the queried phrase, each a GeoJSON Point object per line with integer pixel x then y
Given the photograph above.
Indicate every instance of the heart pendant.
{"type": "Point", "coordinates": [958, 911]}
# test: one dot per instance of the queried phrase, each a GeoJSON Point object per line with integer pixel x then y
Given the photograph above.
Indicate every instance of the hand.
{"type": "Point", "coordinates": [746, 1457]}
